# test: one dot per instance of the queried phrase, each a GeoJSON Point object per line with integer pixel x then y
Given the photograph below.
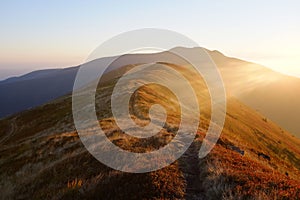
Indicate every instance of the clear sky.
{"type": "Point", "coordinates": [55, 33]}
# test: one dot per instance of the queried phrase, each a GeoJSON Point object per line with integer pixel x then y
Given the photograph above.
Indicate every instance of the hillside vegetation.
{"type": "Point", "coordinates": [42, 156]}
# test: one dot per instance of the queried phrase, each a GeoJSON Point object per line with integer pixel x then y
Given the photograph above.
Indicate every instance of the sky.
{"type": "Point", "coordinates": [55, 34]}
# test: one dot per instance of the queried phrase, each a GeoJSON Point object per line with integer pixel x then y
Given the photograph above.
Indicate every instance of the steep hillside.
{"type": "Point", "coordinates": [273, 94]}
{"type": "Point", "coordinates": [43, 157]}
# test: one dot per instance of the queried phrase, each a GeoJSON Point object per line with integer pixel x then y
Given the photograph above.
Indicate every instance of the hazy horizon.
{"type": "Point", "coordinates": [7, 73]}
{"type": "Point", "coordinates": [64, 33]}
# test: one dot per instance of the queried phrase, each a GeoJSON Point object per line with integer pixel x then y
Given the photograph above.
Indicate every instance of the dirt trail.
{"type": "Point", "coordinates": [10, 132]}
{"type": "Point", "coordinates": [189, 163]}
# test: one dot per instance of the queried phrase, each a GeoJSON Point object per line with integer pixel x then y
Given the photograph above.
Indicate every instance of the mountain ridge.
{"type": "Point", "coordinates": [249, 82]}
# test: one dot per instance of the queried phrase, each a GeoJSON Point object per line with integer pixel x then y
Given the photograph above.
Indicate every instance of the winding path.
{"type": "Point", "coordinates": [189, 163]}
{"type": "Point", "coordinates": [10, 132]}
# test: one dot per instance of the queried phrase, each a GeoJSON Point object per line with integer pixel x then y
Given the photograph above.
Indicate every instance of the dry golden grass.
{"type": "Point", "coordinates": [232, 175]}
{"type": "Point", "coordinates": [44, 158]}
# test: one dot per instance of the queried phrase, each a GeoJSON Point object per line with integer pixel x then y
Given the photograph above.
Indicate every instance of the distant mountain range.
{"type": "Point", "coordinates": [33, 89]}
{"type": "Point", "coordinates": [273, 94]}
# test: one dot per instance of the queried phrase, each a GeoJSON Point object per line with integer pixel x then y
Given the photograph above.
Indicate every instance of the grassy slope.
{"type": "Point", "coordinates": [42, 156]}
